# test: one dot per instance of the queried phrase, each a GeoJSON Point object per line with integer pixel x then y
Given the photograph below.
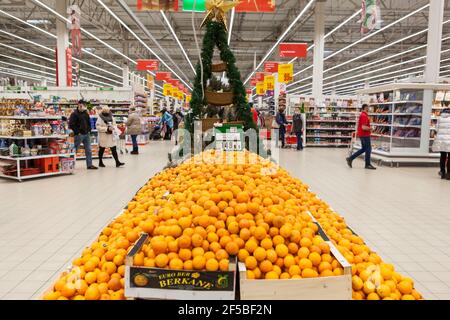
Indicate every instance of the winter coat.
{"type": "Point", "coordinates": [281, 120]}
{"type": "Point", "coordinates": [134, 124]}
{"type": "Point", "coordinates": [80, 122]}
{"type": "Point", "coordinates": [105, 140]}
{"type": "Point", "coordinates": [297, 123]}
{"type": "Point", "coordinates": [442, 139]}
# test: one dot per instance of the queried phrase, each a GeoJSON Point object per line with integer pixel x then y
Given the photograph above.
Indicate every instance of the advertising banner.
{"type": "Point", "coordinates": [162, 76]}
{"type": "Point", "coordinates": [293, 50]}
{"type": "Point", "coordinates": [260, 88]}
{"type": "Point", "coordinates": [156, 5]}
{"type": "Point", "coordinates": [256, 6]}
{"type": "Point", "coordinates": [269, 83]}
{"type": "Point", "coordinates": [271, 67]}
{"type": "Point", "coordinates": [147, 65]}
{"type": "Point", "coordinates": [285, 72]}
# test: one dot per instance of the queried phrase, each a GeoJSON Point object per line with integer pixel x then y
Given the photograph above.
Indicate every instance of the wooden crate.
{"type": "Point", "coordinates": [321, 288]}
{"type": "Point", "coordinates": [156, 283]}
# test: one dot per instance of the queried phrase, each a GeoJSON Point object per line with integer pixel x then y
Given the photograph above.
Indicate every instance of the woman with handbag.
{"type": "Point", "coordinates": [107, 131]}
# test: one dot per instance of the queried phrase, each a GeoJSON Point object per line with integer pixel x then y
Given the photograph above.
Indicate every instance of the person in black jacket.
{"type": "Point", "coordinates": [282, 122]}
{"type": "Point", "coordinates": [80, 124]}
{"type": "Point", "coordinates": [297, 128]}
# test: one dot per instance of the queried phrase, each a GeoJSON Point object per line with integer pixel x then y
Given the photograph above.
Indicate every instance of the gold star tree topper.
{"type": "Point", "coordinates": [217, 10]}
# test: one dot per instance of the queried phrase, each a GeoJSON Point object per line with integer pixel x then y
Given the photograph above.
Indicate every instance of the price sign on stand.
{"type": "Point", "coordinates": [229, 137]}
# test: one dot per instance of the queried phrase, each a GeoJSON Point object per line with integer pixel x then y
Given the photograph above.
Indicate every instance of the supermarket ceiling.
{"type": "Point", "coordinates": [114, 31]}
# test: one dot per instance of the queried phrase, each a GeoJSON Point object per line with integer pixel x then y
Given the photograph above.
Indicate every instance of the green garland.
{"type": "Point", "coordinates": [216, 35]}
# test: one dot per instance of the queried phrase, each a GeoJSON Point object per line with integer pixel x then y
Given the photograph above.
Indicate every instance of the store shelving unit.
{"type": "Point", "coordinates": [19, 167]}
{"type": "Point", "coordinates": [329, 123]}
{"type": "Point", "coordinates": [403, 118]}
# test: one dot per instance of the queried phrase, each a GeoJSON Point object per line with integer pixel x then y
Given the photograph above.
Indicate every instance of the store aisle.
{"type": "Point", "coordinates": [402, 213]}
{"type": "Point", "coordinates": [45, 223]}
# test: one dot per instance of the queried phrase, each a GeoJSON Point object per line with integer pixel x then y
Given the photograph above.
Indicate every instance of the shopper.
{"type": "Point", "coordinates": [134, 128]}
{"type": "Point", "coordinates": [121, 144]}
{"type": "Point", "coordinates": [254, 114]}
{"type": "Point", "coordinates": [363, 133]}
{"type": "Point", "coordinates": [442, 142]}
{"type": "Point", "coordinates": [297, 128]}
{"type": "Point", "coordinates": [106, 126]}
{"type": "Point", "coordinates": [177, 123]}
{"type": "Point", "coordinates": [167, 124]}
{"type": "Point", "coordinates": [80, 124]}
{"type": "Point", "coordinates": [281, 122]}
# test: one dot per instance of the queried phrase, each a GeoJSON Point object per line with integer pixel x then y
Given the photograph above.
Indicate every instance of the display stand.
{"type": "Point", "coordinates": [328, 124]}
{"type": "Point", "coordinates": [401, 116]}
{"type": "Point", "coordinates": [57, 158]}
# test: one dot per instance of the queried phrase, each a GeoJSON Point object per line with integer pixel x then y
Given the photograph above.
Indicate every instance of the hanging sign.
{"type": "Point", "coordinates": [167, 89]}
{"type": "Point", "coordinates": [150, 82]}
{"type": "Point", "coordinates": [105, 89]}
{"type": "Point", "coordinates": [253, 82]}
{"type": "Point", "coordinates": [39, 88]}
{"type": "Point", "coordinates": [200, 5]}
{"type": "Point", "coordinates": [175, 92]}
{"type": "Point", "coordinates": [256, 6]}
{"type": "Point", "coordinates": [269, 83]}
{"type": "Point", "coordinates": [75, 29]}
{"type": "Point", "coordinates": [293, 50]}
{"type": "Point", "coordinates": [271, 67]}
{"type": "Point", "coordinates": [69, 66]}
{"type": "Point", "coordinates": [147, 65]}
{"type": "Point", "coordinates": [152, 5]}
{"type": "Point", "coordinates": [260, 88]}
{"type": "Point", "coordinates": [259, 76]}
{"type": "Point", "coordinates": [370, 16]}
{"type": "Point", "coordinates": [285, 72]}
{"type": "Point", "coordinates": [162, 76]}
{"type": "Point", "coordinates": [173, 82]}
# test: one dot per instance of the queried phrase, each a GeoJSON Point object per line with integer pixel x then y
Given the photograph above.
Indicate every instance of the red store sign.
{"type": "Point", "coordinates": [293, 50]}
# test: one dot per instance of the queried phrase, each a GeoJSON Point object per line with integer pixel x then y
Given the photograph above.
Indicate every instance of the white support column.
{"type": "Point", "coordinates": [62, 43]}
{"type": "Point", "coordinates": [319, 44]}
{"type": "Point", "coordinates": [435, 19]}
{"type": "Point", "coordinates": [125, 75]}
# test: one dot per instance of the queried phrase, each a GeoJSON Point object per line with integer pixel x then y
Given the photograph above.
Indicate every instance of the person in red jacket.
{"type": "Point", "coordinates": [363, 133]}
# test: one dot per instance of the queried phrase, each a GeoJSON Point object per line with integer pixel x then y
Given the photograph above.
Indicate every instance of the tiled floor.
{"type": "Point", "coordinates": [45, 223]}
{"type": "Point", "coordinates": [402, 213]}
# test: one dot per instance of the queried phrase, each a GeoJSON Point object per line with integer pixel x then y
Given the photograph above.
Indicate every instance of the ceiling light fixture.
{"type": "Point", "coordinates": [140, 40]}
{"type": "Point", "coordinates": [177, 40]}
{"type": "Point", "coordinates": [281, 38]}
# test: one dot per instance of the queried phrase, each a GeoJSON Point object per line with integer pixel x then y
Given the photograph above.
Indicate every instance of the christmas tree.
{"type": "Point", "coordinates": [216, 35]}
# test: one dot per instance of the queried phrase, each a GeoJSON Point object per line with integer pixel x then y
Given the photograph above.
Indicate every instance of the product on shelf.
{"type": "Point", "coordinates": [205, 210]}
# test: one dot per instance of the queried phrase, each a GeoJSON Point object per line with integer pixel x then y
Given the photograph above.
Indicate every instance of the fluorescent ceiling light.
{"type": "Point", "coordinates": [39, 21]}
{"type": "Point", "coordinates": [26, 68]}
{"type": "Point", "coordinates": [293, 23]}
{"type": "Point", "coordinates": [378, 31]}
{"type": "Point", "coordinates": [26, 40]}
{"type": "Point", "coordinates": [334, 30]}
{"type": "Point", "coordinates": [178, 41]}
{"type": "Point", "coordinates": [84, 30]}
{"type": "Point", "coordinates": [26, 52]}
{"type": "Point", "coordinates": [141, 41]}
{"type": "Point", "coordinates": [26, 61]}
{"type": "Point", "coordinates": [230, 28]}
{"type": "Point", "coordinates": [376, 62]}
